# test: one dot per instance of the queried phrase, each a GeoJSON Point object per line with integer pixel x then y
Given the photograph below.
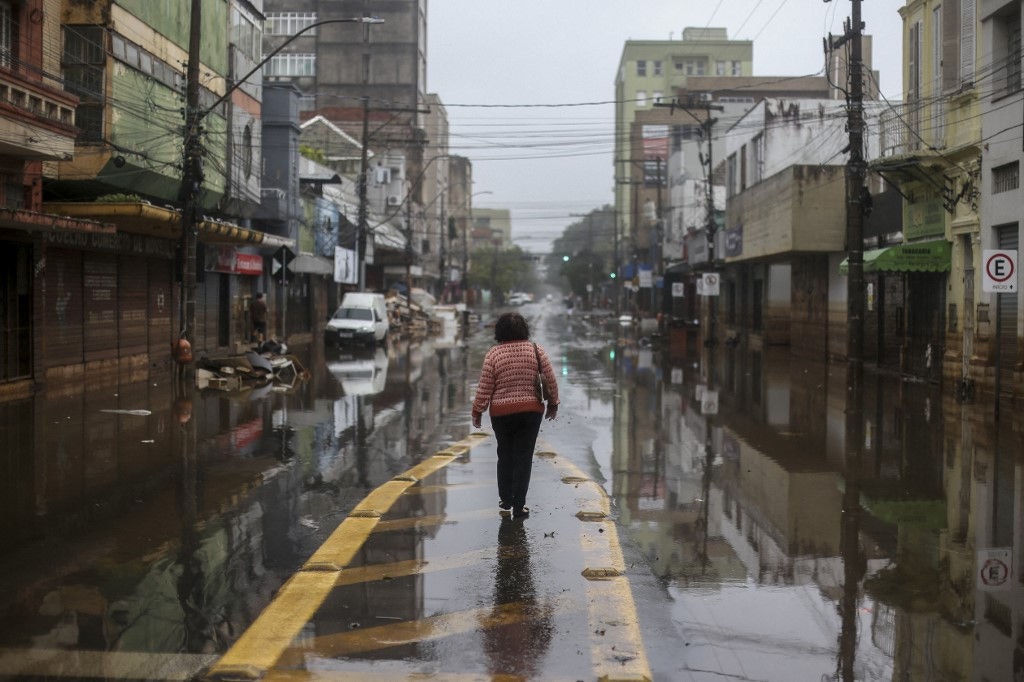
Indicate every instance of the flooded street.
{"type": "Point", "coordinates": [755, 547]}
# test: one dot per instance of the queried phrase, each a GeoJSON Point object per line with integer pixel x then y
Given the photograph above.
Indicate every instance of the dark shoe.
{"type": "Point", "coordinates": [504, 507]}
{"type": "Point", "coordinates": [521, 512]}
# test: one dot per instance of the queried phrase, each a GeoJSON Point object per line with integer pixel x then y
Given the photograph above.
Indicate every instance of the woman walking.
{"type": "Point", "coordinates": [507, 386]}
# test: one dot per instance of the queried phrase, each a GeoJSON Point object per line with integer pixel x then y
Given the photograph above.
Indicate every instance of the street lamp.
{"type": "Point", "coordinates": [192, 160]}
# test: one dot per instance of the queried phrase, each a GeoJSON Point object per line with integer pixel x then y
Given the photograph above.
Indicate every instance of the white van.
{"type": "Point", "coordinates": [362, 317]}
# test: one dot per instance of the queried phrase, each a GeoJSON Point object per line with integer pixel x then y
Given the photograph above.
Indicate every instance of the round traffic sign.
{"type": "Point", "coordinates": [994, 572]}
{"type": "Point", "coordinates": [999, 267]}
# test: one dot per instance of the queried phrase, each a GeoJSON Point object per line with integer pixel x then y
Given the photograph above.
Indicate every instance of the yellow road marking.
{"type": "Point", "coordinates": [364, 640]}
{"type": "Point", "coordinates": [262, 644]}
{"type": "Point", "coordinates": [401, 569]}
{"type": "Point", "coordinates": [414, 522]}
{"type": "Point", "coordinates": [617, 651]}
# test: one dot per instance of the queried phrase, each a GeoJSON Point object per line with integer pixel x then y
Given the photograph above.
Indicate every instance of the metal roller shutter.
{"type": "Point", "coordinates": [63, 318]}
{"type": "Point", "coordinates": [132, 294]}
{"type": "Point", "coordinates": [1006, 309]}
{"type": "Point", "coordinates": [99, 289]}
{"type": "Point", "coordinates": [161, 308]}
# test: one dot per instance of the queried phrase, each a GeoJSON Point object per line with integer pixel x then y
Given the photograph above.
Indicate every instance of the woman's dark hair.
{"type": "Point", "coordinates": [511, 327]}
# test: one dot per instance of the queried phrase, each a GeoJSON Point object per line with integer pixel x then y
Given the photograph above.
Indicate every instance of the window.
{"type": "Point", "coordinates": [678, 66]}
{"type": "Point", "coordinates": [737, 68]}
{"type": "Point", "coordinates": [757, 162]}
{"type": "Point", "coordinates": [82, 67]}
{"type": "Point", "coordinates": [641, 67]}
{"type": "Point", "coordinates": [1006, 177]}
{"type": "Point", "coordinates": [657, 67]}
{"type": "Point", "coordinates": [291, 64]}
{"type": "Point", "coordinates": [245, 35]}
{"type": "Point", "coordinates": [641, 98]}
{"type": "Point", "coordinates": [730, 175]}
{"type": "Point", "coordinates": [289, 23]}
{"type": "Point", "coordinates": [719, 68]}
{"type": "Point", "coordinates": [6, 34]}
{"type": "Point", "coordinates": [967, 21]}
{"type": "Point", "coordinates": [656, 96]}
{"type": "Point", "coordinates": [1006, 52]}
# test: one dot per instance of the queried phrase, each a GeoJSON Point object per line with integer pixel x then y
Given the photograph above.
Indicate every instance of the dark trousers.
{"type": "Point", "coordinates": [516, 435]}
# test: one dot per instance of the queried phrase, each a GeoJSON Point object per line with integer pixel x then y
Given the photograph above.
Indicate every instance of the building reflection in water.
{"type": "Point", "coordinates": [128, 532]}
{"type": "Point", "coordinates": [517, 623]}
{"type": "Point", "coordinates": [750, 502]}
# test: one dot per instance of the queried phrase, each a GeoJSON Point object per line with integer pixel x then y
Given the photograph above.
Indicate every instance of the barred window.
{"type": "Point", "coordinates": [1006, 177]}
{"type": "Point", "coordinates": [291, 64]}
{"type": "Point", "coordinates": [82, 66]}
{"type": "Point", "coordinates": [289, 23]}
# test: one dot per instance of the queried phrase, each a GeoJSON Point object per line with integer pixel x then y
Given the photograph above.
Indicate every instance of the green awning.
{"type": "Point", "coordinates": [933, 256]}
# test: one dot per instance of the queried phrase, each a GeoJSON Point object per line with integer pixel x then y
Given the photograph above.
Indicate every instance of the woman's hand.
{"type": "Point", "coordinates": [552, 411]}
{"type": "Point", "coordinates": [476, 419]}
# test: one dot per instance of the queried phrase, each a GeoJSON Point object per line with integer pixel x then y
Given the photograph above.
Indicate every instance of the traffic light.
{"type": "Point", "coordinates": [565, 259]}
{"type": "Point", "coordinates": [612, 275]}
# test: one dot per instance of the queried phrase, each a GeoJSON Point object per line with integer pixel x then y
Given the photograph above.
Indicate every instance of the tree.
{"type": "Point", "coordinates": [501, 270]}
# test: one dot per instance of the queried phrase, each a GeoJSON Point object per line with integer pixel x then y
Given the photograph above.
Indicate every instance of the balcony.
{"type": "Point", "coordinates": [36, 122]}
{"type": "Point", "coordinates": [912, 129]}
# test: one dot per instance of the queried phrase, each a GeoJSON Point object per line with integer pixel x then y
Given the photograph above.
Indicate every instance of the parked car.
{"type": "Point", "coordinates": [518, 298]}
{"type": "Point", "coordinates": [362, 317]}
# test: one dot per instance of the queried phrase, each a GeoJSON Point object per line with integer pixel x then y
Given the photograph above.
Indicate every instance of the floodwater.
{"type": "Point", "coordinates": [760, 545]}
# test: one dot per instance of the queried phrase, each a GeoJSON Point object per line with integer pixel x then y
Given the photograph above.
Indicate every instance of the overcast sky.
{"type": "Point", "coordinates": [548, 163]}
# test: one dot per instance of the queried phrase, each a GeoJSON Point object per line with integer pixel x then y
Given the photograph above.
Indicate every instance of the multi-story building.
{"type": "Point", "coordinates": [492, 229]}
{"type": "Point", "coordinates": [931, 151]}
{"type": "Point", "coordinates": [649, 72]}
{"type": "Point", "coordinates": [460, 208]}
{"type": "Point", "coordinates": [785, 225]}
{"type": "Point", "coordinates": [37, 126]}
{"type": "Point", "coordinates": [999, 92]}
{"type": "Point", "coordinates": [124, 59]}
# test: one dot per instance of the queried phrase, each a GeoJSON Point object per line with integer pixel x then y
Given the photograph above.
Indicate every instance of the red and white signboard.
{"type": "Point", "coordinates": [999, 271]}
{"type": "Point", "coordinates": [995, 568]}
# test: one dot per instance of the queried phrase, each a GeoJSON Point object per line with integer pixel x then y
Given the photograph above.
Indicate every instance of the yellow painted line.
{"type": "Point", "coordinates": [108, 665]}
{"type": "Point", "coordinates": [262, 644]}
{"type": "Point", "coordinates": [364, 640]}
{"type": "Point", "coordinates": [393, 673]}
{"type": "Point", "coordinates": [414, 522]}
{"type": "Point", "coordinates": [401, 569]}
{"type": "Point", "coordinates": [616, 644]}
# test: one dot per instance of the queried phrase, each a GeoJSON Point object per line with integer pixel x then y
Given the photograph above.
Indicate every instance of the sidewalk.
{"type": "Point", "coordinates": [425, 577]}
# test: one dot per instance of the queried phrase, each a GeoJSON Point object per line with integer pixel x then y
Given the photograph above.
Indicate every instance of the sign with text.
{"type": "Point", "coordinates": [994, 569]}
{"type": "Point", "coordinates": [999, 271]}
{"type": "Point", "coordinates": [678, 290]}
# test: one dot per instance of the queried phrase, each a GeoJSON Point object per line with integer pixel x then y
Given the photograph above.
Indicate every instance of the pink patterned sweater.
{"type": "Point", "coordinates": [507, 380]}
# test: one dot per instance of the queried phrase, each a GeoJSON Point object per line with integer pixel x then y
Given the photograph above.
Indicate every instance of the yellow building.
{"type": "Point", "coordinates": [931, 150]}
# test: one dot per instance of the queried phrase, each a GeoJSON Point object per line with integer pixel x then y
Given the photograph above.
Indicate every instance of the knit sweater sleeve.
{"type": "Point", "coordinates": [485, 388]}
{"type": "Point", "coordinates": [549, 377]}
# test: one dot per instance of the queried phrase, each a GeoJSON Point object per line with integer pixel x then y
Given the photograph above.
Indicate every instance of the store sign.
{"type": "Point", "coordinates": [232, 262]}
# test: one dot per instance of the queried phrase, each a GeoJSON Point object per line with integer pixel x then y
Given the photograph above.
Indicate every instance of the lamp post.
{"type": "Point", "coordinates": [192, 176]}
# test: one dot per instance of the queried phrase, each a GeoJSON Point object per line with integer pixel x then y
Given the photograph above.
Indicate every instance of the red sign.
{"type": "Point", "coordinates": [229, 260]}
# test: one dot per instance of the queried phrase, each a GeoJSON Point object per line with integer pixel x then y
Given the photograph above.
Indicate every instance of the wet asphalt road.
{"type": "Point", "coordinates": [753, 548]}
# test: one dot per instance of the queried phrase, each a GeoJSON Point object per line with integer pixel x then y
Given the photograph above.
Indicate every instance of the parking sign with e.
{"type": "Point", "coordinates": [999, 271]}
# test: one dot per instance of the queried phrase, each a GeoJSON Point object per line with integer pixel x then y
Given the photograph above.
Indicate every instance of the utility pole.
{"type": "Point", "coordinates": [192, 177]}
{"type": "Point", "coordinates": [849, 540]}
{"type": "Point", "coordinates": [364, 165]}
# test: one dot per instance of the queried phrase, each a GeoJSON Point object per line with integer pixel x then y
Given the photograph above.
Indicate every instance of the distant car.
{"type": "Point", "coordinates": [361, 318]}
{"type": "Point", "coordinates": [518, 298]}
{"type": "Point", "coordinates": [626, 320]}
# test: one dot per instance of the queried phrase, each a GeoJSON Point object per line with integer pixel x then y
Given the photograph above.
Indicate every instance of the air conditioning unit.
{"type": "Point", "coordinates": [394, 201]}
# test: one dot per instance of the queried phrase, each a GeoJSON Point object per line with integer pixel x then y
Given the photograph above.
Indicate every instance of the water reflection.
{"type": "Point", "coordinates": [792, 558]}
{"type": "Point", "coordinates": [170, 532]}
{"type": "Point", "coordinates": [517, 633]}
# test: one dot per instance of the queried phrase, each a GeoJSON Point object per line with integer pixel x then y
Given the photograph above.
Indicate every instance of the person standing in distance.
{"type": "Point", "coordinates": [258, 311]}
{"type": "Point", "coordinates": [507, 387]}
